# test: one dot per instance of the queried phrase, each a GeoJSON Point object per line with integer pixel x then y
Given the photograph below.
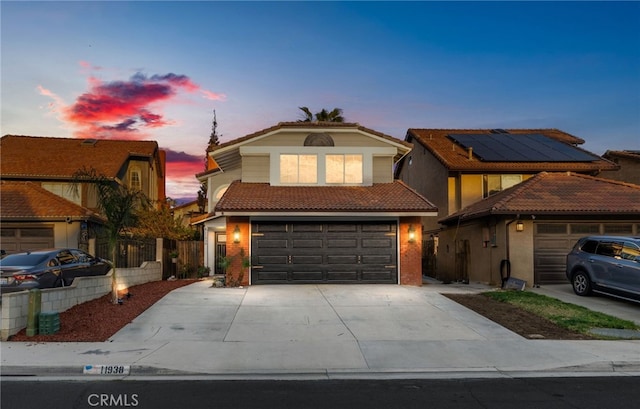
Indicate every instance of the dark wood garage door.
{"type": "Point", "coordinates": [304, 252]}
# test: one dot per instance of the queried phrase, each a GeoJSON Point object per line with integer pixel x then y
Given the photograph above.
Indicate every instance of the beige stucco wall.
{"type": "Point", "coordinates": [487, 248]}
{"type": "Point", "coordinates": [296, 138]}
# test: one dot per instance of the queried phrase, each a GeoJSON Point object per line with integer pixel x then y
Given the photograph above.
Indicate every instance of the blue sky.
{"type": "Point", "coordinates": [390, 66]}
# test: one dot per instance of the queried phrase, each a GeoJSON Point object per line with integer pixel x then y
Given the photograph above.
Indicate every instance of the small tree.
{"type": "Point", "coordinates": [118, 204]}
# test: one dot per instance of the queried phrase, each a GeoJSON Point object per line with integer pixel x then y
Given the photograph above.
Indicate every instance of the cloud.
{"type": "Point", "coordinates": [123, 109]}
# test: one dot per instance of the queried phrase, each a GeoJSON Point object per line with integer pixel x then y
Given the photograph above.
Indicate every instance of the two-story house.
{"type": "Point", "coordinates": [461, 169]}
{"type": "Point", "coordinates": [42, 206]}
{"type": "Point", "coordinates": [313, 203]}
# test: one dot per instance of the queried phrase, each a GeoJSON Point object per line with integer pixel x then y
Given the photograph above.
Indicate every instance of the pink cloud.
{"type": "Point", "coordinates": [124, 109]}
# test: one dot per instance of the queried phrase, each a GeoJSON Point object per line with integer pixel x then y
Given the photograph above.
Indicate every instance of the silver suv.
{"type": "Point", "coordinates": [606, 264]}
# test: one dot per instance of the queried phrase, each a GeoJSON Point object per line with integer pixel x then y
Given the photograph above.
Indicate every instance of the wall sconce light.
{"type": "Point", "coordinates": [236, 234]}
{"type": "Point", "coordinates": [519, 226]}
{"type": "Point", "coordinates": [412, 234]}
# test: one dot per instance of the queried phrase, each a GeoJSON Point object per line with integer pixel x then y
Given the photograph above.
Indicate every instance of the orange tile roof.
{"type": "Point", "coordinates": [455, 158]}
{"type": "Point", "coordinates": [564, 193]}
{"type": "Point", "coordinates": [633, 155]}
{"type": "Point", "coordinates": [393, 197]}
{"type": "Point", "coordinates": [28, 201]}
{"type": "Point", "coordinates": [60, 158]}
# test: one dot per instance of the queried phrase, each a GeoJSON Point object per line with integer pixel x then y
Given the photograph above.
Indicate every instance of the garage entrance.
{"type": "Point", "coordinates": [552, 242]}
{"type": "Point", "coordinates": [17, 239]}
{"type": "Point", "coordinates": [324, 252]}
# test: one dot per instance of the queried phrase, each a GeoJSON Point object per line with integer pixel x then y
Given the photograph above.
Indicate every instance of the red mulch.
{"type": "Point", "coordinates": [99, 319]}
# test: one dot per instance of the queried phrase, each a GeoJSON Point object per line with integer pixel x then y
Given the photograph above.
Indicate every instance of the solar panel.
{"type": "Point", "coordinates": [505, 147]}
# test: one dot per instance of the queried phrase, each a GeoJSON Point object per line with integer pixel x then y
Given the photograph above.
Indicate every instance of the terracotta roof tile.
{"type": "Point", "coordinates": [633, 155]}
{"type": "Point", "coordinates": [46, 157]}
{"type": "Point", "coordinates": [29, 201]}
{"type": "Point", "coordinates": [558, 194]}
{"type": "Point", "coordinates": [456, 158]}
{"type": "Point", "coordinates": [393, 197]}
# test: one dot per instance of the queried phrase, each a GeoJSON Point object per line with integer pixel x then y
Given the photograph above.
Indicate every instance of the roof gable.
{"type": "Point", "coordinates": [227, 155]}
{"type": "Point", "coordinates": [60, 158]}
{"type": "Point", "coordinates": [457, 157]}
{"type": "Point", "coordinates": [557, 194]}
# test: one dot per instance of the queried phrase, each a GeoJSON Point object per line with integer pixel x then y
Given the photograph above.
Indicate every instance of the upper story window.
{"type": "Point", "coordinates": [343, 169]}
{"type": "Point", "coordinates": [135, 179]}
{"type": "Point", "coordinates": [298, 169]}
{"type": "Point", "coordinates": [497, 183]}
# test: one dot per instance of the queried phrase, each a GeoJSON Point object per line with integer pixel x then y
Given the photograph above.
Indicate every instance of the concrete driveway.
{"type": "Point", "coordinates": [335, 329]}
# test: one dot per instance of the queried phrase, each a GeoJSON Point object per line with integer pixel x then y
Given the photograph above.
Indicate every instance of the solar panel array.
{"type": "Point", "coordinates": [505, 147]}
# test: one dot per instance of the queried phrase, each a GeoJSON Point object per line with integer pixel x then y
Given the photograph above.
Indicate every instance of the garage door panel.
{"type": "Point", "coordinates": [345, 276]}
{"type": "Point", "coordinates": [272, 276]}
{"type": "Point", "coordinates": [272, 259]}
{"type": "Point", "coordinates": [271, 227]}
{"type": "Point", "coordinates": [317, 259]}
{"type": "Point", "coordinates": [377, 275]}
{"type": "Point", "coordinates": [334, 243]}
{"type": "Point", "coordinates": [377, 243]}
{"type": "Point", "coordinates": [378, 228]}
{"type": "Point", "coordinates": [341, 259]}
{"type": "Point", "coordinates": [303, 243]}
{"type": "Point", "coordinates": [377, 259]}
{"type": "Point", "coordinates": [306, 275]}
{"type": "Point", "coordinates": [306, 228]}
{"type": "Point", "coordinates": [271, 244]}
{"type": "Point", "coordinates": [342, 228]}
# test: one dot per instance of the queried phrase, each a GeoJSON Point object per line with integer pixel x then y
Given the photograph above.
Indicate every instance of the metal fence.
{"type": "Point", "coordinates": [129, 252]}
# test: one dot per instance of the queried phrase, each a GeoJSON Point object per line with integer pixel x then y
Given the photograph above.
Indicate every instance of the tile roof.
{"type": "Point", "coordinates": [28, 201]}
{"type": "Point", "coordinates": [393, 197]}
{"type": "Point", "coordinates": [285, 125]}
{"type": "Point", "coordinates": [632, 154]}
{"type": "Point", "coordinates": [564, 193]}
{"type": "Point", "coordinates": [59, 158]}
{"type": "Point", "coordinates": [454, 157]}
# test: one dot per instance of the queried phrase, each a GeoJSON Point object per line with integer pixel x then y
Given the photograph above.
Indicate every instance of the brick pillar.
{"type": "Point", "coordinates": [410, 251]}
{"type": "Point", "coordinates": [236, 273]}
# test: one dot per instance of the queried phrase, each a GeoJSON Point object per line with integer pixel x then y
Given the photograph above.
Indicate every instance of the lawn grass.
{"type": "Point", "coordinates": [570, 316]}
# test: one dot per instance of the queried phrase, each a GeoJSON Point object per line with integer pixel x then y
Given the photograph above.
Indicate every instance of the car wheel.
{"type": "Point", "coordinates": [581, 283]}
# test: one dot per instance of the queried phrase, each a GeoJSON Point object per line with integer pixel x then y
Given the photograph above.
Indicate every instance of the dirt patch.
{"type": "Point", "coordinates": [99, 319]}
{"type": "Point", "coordinates": [515, 319]}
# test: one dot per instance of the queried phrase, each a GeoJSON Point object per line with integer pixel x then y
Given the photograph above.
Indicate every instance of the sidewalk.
{"type": "Point", "coordinates": [322, 331]}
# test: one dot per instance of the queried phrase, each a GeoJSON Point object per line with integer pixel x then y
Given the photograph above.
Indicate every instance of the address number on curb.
{"type": "Point", "coordinates": [106, 369]}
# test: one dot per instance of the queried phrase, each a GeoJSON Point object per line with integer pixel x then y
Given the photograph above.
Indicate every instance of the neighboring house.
{"type": "Point", "coordinates": [457, 167]}
{"type": "Point", "coordinates": [313, 203]}
{"type": "Point", "coordinates": [629, 162]}
{"type": "Point", "coordinates": [33, 218]}
{"type": "Point", "coordinates": [186, 212]}
{"type": "Point", "coordinates": [530, 227]}
{"type": "Point", "coordinates": [50, 166]}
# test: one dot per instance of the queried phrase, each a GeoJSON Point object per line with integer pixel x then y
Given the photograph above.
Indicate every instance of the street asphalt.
{"type": "Point", "coordinates": [330, 331]}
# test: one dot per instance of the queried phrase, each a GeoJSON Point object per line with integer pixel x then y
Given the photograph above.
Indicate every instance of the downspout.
{"type": "Point", "coordinates": [505, 265]}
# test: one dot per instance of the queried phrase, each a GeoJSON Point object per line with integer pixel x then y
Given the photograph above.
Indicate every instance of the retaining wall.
{"type": "Point", "coordinates": [15, 306]}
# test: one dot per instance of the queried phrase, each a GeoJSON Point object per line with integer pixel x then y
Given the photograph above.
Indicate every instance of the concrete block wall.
{"type": "Point", "coordinates": [15, 305]}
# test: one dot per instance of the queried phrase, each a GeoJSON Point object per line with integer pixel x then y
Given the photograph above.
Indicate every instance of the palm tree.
{"type": "Point", "coordinates": [118, 204]}
{"type": "Point", "coordinates": [335, 115]}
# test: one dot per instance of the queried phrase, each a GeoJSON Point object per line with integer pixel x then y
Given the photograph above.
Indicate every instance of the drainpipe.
{"type": "Point", "coordinates": [505, 265]}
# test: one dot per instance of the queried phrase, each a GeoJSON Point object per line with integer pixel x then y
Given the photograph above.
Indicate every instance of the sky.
{"type": "Point", "coordinates": [157, 70]}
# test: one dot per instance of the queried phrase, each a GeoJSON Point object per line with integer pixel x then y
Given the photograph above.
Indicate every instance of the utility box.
{"type": "Point", "coordinates": [49, 323]}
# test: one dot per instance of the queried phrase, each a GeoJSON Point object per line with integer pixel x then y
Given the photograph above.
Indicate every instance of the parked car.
{"type": "Point", "coordinates": [605, 264]}
{"type": "Point", "coordinates": [48, 268]}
